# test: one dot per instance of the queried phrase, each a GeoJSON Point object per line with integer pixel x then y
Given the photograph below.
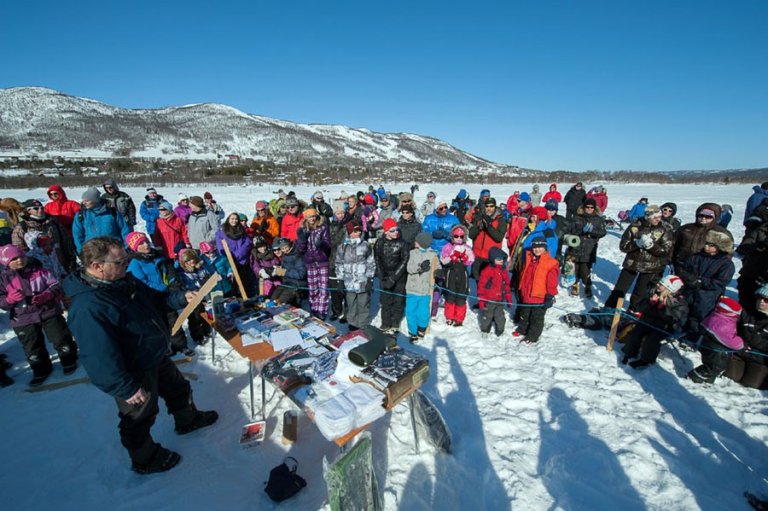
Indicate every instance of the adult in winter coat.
{"type": "Point", "coordinates": [551, 194]}
{"type": "Point", "coordinates": [648, 244]}
{"type": "Point", "coordinates": [60, 208]}
{"type": "Point", "coordinates": [456, 258]}
{"type": "Point", "coordinates": [149, 210]}
{"type": "Point", "coordinates": [212, 205]}
{"type": "Point", "coordinates": [511, 204]}
{"type": "Point", "coordinates": [387, 210]}
{"type": "Point", "coordinates": [428, 207]}
{"type": "Point", "coordinates": [408, 225]}
{"type": "Point", "coordinates": [706, 275]}
{"type": "Point", "coordinates": [292, 272]}
{"type": "Point", "coordinates": [751, 368]}
{"type": "Point", "coordinates": [355, 267]}
{"type": "Point", "coordinates": [170, 231]}
{"type": "Point", "coordinates": [391, 255]}
{"type": "Point", "coordinates": [574, 198]}
{"type": "Point", "coordinates": [589, 225]}
{"type": "Point", "coordinates": [95, 220]}
{"type": "Point", "coordinates": [668, 212]}
{"type": "Point", "coordinates": [338, 233]}
{"type": "Point", "coordinates": [759, 195]}
{"type": "Point", "coordinates": [537, 290]}
{"type": "Point", "coordinates": [235, 236]}
{"type": "Point", "coordinates": [120, 326]}
{"type": "Point", "coordinates": [754, 272]}
{"type": "Point", "coordinates": [493, 288]}
{"type": "Point", "coordinates": [439, 225]}
{"type": "Point", "coordinates": [151, 267]}
{"type": "Point", "coordinates": [264, 224]}
{"type": "Point", "coordinates": [460, 207]}
{"type": "Point", "coordinates": [690, 238]}
{"type": "Point", "coordinates": [314, 242]}
{"type": "Point", "coordinates": [322, 207]}
{"type": "Point", "coordinates": [479, 207]}
{"type": "Point", "coordinates": [558, 224]}
{"type": "Point", "coordinates": [518, 221]}
{"type": "Point", "coordinates": [33, 219]}
{"type": "Point", "coordinates": [290, 223]}
{"type": "Point", "coordinates": [536, 197]}
{"type": "Point", "coordinates": [638, 210]}
{"type": "Point", "coordinates": [600, 196]}
{"type": "Point", "coordinates": [663, 312]}
{"type": "Point", "coordinates": [487, 231]}
{"type": "Point", "coordinates": [544, 227]}
{"type": "Point", "coordinates": [182, 209]}
{"type": "Point", "coordinates": [120, 201]}
{"type": "Point", "coordinates": [33, 298]}
{"type": "Point", "coordinates": [202, 224]}
{"type": "Point", "coordinates": [421, 263]}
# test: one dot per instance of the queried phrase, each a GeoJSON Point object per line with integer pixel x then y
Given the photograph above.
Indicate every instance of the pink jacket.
{"type": "Point", "coordinates": [722, 327]}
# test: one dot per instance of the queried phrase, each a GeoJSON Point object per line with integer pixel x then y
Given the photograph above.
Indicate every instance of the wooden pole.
{"type": "Point", "coordinates": [615, 323]}
{"type": "Point", "coordinates": [231, 260]}
{"type": "Point", "coordinates": [191, 306]}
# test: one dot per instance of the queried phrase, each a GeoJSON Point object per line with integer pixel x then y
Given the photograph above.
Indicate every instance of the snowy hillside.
{"type": "Point", "coordinates": [557, 425]}
{"type": "Point", "coordinates": [41, 121]}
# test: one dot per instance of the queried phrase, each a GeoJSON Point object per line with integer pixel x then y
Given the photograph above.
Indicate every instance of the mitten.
{"type": "Point", "coordinates": [549, 300]}
{"type": "Point", "coordinates": [265, 273]}
{"type": "Point", "coordinates": [43, 297]}
{"type": "Point", "coordinates": [14, 296]}
{"type": "Point", "coordinates": [455, 257]}
{"type": "Point", "coordinates": [440, 234]}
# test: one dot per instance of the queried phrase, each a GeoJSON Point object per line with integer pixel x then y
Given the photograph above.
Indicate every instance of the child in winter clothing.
{"type": "Point", "coordinates": [41, 248]}
{"type": "Point", "coordinates": [192, 274]}
{"type": "Point", "coordinates": [456, 257]}
{"type": "Point", "coordinates": [661, 313]}
{"type": "Point", "coordinates": [262, 262]}
{"type": "Point", "coordinates": [313, 241]}
{"type": "Point", "coordinates": [215, 262]}
{"type": "Point", "coordinates": [391, 255]}
{"type": "Point", "coordinates": [418, 288]}
{"type": "Point", "coordinates": [493, 288]}
{"type": "Point", "coordinates": [718, 335]}
{"type": "Point", "coordinates": [292, 271]}
{"type": "Point", "coordinates": [33, 297]}
{"type": "Point", "coordinates": [355, 266]}
{"type": "Point", "coordinates": [538, 288]}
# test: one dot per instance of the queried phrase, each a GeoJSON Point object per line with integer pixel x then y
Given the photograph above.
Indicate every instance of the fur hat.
{"type": "Point", "coordinates": [672, 282]}
{"type": "Point", "coordinates": [207, 246]}
{"type": "Point", "coordinates": [721, 240]}
{"type": "Point", "coordinates": [539, 241]}
{"type": "Point", "coordinates": [134, 239]}
{"type": "Point", "coordinates": [8, 253]}
{"type": "Point", "coordinates": [91, 194]}
{"type": "Point", "coordinates": [389, 224]}
{"type": "Point", "coordinates": [652, 211]}
{"type": "Point", "coordinates": [186, 255]}
{"type": "Point", "coordinates": [353, 225]}
{"type": "Point", "coordinates": [406, 196]}
{"type": "Point", "coordinates": [524, 196]}
{"type": "Point", "coordinates": [197, 201]}
{"type": "Point", "coordinates": [424, 239]}
{"type": "Point", "coordinates": [259, 241]}
{"type": "Point", "coordinates": [727, 305]}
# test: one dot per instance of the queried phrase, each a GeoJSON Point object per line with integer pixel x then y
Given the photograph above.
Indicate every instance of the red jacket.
{"type": "Point", "coordinates": [539, 278]}
{"type": "Point", "coordinates": [290, 226]}
{"type": "Point", "coordinates": [169, 232]}
{"type": "Point", "coordinates": [493, 285]}
{"type": "Point", "coordinates": [517, 223]}
{"type": "Point", "coordinates": [62, 209]}
{"type": "Point", "coordinates": [601, 199]}
{"type": "Point", "coordinates": [552, 195]}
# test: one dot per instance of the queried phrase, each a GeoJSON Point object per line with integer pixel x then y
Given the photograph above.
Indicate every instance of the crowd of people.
{"type": "Point", "coordinates": [74, 255]}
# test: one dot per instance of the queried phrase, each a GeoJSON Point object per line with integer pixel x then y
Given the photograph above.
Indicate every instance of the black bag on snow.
{"type": "Point", "coordinates": [284, 482]}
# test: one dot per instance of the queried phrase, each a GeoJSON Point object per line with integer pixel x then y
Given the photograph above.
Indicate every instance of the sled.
{"type": "Point", "coordinates": [191, 306]}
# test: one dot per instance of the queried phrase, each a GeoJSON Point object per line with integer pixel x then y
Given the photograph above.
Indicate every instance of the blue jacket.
{"type": "Point", "coordinates": [754, 201]}
{"type": "Point", "coordinates": [439, 226]}
{"type": "Point", "coordinates": [637, 211]}
{"type": "Point", "coordinates": [152, 271]}
{"type": "Point", "coordinates": [121, 329]}
{"type": "Point", "coordinates": [545, 229]}
{"type": "Point", "coordinates": [98, 221]}
{"type": "Point", "coordinates": [295, 269]}
{"type": "Point", "coordinates": [150, 213]}
{"type": "Point", "coordinates": [221, 266]}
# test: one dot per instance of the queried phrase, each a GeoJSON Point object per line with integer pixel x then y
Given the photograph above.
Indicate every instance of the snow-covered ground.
{"type": "Point", "coordinates": [558, 425]}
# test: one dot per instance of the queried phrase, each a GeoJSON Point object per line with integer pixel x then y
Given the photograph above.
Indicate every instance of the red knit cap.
{"type": "Point", "coordinates": [368, 199]}
{"type": "Point", "coordinates": [134, 239]}
{"type": "Point", "coordinates": [728, 305]}
{"type": "Point", "coordinates": [389, 223]}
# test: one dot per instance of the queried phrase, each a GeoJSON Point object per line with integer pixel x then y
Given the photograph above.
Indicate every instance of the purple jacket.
{"type": "Point", "coordinates": [33, 279]}
{"type": "Point", "coordinates": [182, 212]}
{"type": "Point", "coordinates": [240, 248]}
{"type": "Point", "coordinates": [259, 264]}
{"type": "Point", "coordinates": [315, 244]}
{"type": "Point", "coordinates": [722, 328]}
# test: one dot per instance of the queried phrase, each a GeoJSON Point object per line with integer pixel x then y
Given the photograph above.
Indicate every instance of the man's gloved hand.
{"type": "Point", "coordinates": [440, 234]}
{"type": "Point", "coordinates": [549, 301]}
{"type": "Point", "coordinates": [425, 266]}
{"type": "Point", "coordinates": [14, 295]}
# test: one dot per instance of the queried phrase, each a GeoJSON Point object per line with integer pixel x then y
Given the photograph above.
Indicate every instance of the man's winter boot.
{"type": "Point", "coordinates": [639, 364]}
{"type": "Point", "coordinates": [5, 380]}
{"type": "Point", "coordinates": [414, 338]}
{"type": "Point", "coordinates": [701, 375]}
{"type": "Point", "coordinates": [588, 290]}
{"type": "Point", "coordinates": [162, 460]}
{"type": "Point", "coordinates": [575, 289]}
{"type": "Point", "coordinates": [197, 421]}
{"type": "Point", "coordinates": [421, 332]}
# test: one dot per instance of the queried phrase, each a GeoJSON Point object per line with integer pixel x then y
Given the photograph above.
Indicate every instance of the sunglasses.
{"type": "Point", "coordinates": [587, 207]}
{"type": "Point", "coordinates": [442, 208]}
{"type": "Point", "coordinates": [430, 196]}
{"type": "Point", "coordinates": [667, 209]}
{"type": "Point", "coordinates": [35, 207]}
{"type": "Point", "coordinates": [705, 216]}
{"type": "Point", "coordinates": [489, 206]}
{"type": "Point", "coordinates": [407, 212]}
{"type": "Point", "coordinates": [394, 230]}
{"type": "Point", "coordinates": [458, 236]}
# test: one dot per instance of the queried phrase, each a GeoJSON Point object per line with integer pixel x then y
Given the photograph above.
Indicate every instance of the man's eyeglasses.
{"type": "Point", "coordinates": [119, 262]}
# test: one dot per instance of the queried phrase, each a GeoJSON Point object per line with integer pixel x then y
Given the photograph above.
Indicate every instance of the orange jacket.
{"type": "Point", "coordinates": [270, 230]}
{"type": "Point", "coordinates": [539, 278]}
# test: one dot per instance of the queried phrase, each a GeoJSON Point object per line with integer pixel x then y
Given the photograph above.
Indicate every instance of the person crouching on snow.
{"type": "Point", "coordinates": [418, 289]}
{"type": "Point", "coordinates": [493, 288]}
{"type": "Point", "coordinates": [719, 335]}
{"type": "Point", "coordinates": [538, 288]}
{"type": "Point", "coordinates": [33, 297]}
{"type": "Point", "coordinates": [457, 258]}
{"type": "Point", "coordinates": [661, 313]}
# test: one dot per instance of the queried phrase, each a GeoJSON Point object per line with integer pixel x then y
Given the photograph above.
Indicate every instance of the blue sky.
{"type": "Point", "coordinates": [576, 85]}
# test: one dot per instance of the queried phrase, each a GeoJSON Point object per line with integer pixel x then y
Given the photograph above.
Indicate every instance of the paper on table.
{"type": "Point", "coordinates": [249, 339]}
{"type": "Point", "coordinates": [283, 339]}
{"type": "Point", "coordinates": [314, 330]}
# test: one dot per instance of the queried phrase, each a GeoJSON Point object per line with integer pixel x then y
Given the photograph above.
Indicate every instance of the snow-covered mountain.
{"type": "Point", "coordinates": [42, 121]}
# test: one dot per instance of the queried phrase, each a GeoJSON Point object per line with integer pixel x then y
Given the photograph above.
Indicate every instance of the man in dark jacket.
{"type": "Point", "coordinates": [408, 225]}
{"type": "Point", "coordinates": [754, 272]}
{"type": "Point", "coordinates": [589, 225]}
{"type": "Point", "coordinates": [120, 326]}
{"type": "Point", "coordinates": [391, 256]}
{"type": "Point", "coordinates": [690, 238]}
{"type": "Point", "coordinates": [668, 212]}
{"type": "Point", "coordinates": [574, 199]}
{"type": "Point", "coordinates": [120, 201]}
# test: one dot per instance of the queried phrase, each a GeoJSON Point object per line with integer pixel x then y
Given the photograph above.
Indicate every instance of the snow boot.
{"type": "Point", "coordinates": [163, 460]}
{"type": "Point", "coordinates": [414, 338]}
{"type": "Point", "coordinates": [421, 332]}
{"type": "Point", "coordinates": [639, 364]}
{"type": "Point", "coordinates": [69, 368]}
{"type": "Point", "coordinates": [701, 374]}
{"type": "Point", "coordinates": [575, 289]}
{"type": "Point", "coordinates": [5, 380]}
{"type": "Point", "coordinates": [200, 420]}
{"type": "Point", "coordinates": [4, 361]}
{"type": "Point", "coordinates": [588, 290]}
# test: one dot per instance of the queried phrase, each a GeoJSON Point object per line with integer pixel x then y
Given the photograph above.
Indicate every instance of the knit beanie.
{"type": "Point", "coordinates": [353, 226]}
{"type": "Point", "coordinates": [206, 247]}
{"type": "Point", "coordinates": [524, 197]}
{"type": "Point", "coordinates": [32, 203]}
{"type": "Point", "coordinates": [672, 282]}
{"type": "Point", "coordinates": [197, 201]}
{"type": "Point", "coordinates": [261, 205]}
{"type": "Point", "coordinates": [727, 305]}
{"type": "Point", "coordinates": [540, 213]}
{"type": "Point", "coordinates": [8, 253]}
{"type": "Point", "coordinates": [539, 242]}
{"type": "Point", "coordinates": [424, 239]}
{"type": "Point", "coordinates": [183, 196]}
{"type": "Point", "coordinates": [310, 212]}
{"type": "Point", "coordinates": [92, 194]}
{"type": "Point", "coordinates": [134, 239]}
{"type": "Point", "coordinates": [389, 224]}
{"type": "Point", "coordinates": [165, 205]}
{"type": "Point", "coordinates": [490, 201]}
{"type": "Point", "coordinates": [551, 204]}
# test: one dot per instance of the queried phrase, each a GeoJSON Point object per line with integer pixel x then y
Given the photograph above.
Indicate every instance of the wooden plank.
{"type": "Point", "coordinates": [615, 323]}
{"type": "Point", "coordinates": [232, 264]}
{"type": "Point", "coordinates": [191, 306]}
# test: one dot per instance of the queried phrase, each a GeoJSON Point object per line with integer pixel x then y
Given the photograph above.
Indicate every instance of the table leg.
{"type": "Point", "coordinates": [213, 346]}
{"type": "Point", "coordinates": [412, 406]}
{"type": "Point", "coordinates": [263, 397]}
{"type": "Point", "coordinates": [250, 382]}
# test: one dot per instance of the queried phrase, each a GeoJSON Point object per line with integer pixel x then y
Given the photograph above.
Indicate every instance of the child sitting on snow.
{"type": "Point", "coordinates": [719, 335]}
{"type": "Point", "coordinates": [456, 257]}
{"type": "Point", "coordinates": [493, 288]}
{"type": "Point", "coordinates": [418, 288]}
{"type": "Point", "coordinates": [661, 313]}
